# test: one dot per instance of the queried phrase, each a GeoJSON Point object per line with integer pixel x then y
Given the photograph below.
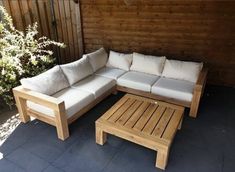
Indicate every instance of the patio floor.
{"type": "Point", "coordinates": [205, 144]}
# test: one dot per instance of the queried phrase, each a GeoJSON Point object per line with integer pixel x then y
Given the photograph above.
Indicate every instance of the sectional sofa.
{"type": "Point", "coordinates": [62, 94]}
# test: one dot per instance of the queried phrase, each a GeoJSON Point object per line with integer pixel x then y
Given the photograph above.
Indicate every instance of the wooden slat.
{"type": "Point", "coordinates": [145, 117]}
{"type": "Point", "coordinates": [115, 108]}
{"type": "Point", "coordinates": [153, 121]}
{"type": "Point", "coordinates": [116, 115]}
{"type": "Point", "coordinates": [173, 125]}
{"type": "Point", "coordinates": [135, 117]}
{"type": "Point", "coordinates": [163, 122]}
{"type": "Point", "coordinates": [123, 119]}
{"type": "Point", "coordinates": [68, 21]}
{"type": "Point", "coordinates": [73, 8]}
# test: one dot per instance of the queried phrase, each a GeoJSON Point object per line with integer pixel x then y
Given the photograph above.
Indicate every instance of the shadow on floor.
{"type": "Point", "coordinates": [205, 144]}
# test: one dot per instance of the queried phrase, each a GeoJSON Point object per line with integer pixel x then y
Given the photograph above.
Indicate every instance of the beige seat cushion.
{"type": "Point", "coordinates": [74, 100]}
{"type": "Point", "coordinates": [137, 80]}
{"type": "Point", "coordinates": [112, 73]}
{"type": "Point", "coordinates": [172, 88]}
{"type": "Point", "coordinates": [96, 85]}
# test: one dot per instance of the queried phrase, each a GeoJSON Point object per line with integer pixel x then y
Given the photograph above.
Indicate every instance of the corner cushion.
{"type": "Point", "coordinates": [112, 73]}
{"type": "Point", "coordinates": [173, 88]}
{"type": "Point", "coordinates": [137, 80]}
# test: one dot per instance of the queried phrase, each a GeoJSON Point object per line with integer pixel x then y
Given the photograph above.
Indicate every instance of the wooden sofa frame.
{"type": "Point", "coordinates": [193, 105]}
{"type": "Point", "coordinates": [60, 120]}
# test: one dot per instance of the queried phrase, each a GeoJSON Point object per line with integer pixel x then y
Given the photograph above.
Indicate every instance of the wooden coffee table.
{"type": "Point", "coordinates": [144, 121]}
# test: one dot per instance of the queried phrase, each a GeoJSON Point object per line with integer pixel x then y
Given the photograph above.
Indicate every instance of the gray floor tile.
{"type": "Point", "coordinates": [27, 161]}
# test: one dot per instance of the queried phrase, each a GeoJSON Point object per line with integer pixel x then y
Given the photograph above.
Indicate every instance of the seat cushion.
{"type": "Point", "coordinates": [172, 88]}
{"type": "Point", "coordinates": [96, 85]}
{"type": "Point", "coordinates": [97, 59]}
{"type": "Point", "coordinates": [182, 70]}
{"type": "Point", "coordinates": [137, 80]}
{"type": "Point", "coordinates": [77, 70]}
{"type": "Point", "coordinates": [74, 100]}
{"type": "Point", "coordinates": [148, 64]}
{"type": "Point", "coordinates": [112, 73]}
{"type": "Point", "coordinates": [48, 82]}
{"type": "Point", "coordinates": [119, 60]}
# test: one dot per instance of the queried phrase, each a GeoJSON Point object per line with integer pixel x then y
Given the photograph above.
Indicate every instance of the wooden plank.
{"type": "Point", "coordinates": [68, 21]}
{"type": "Point", "coordinates": [73, 8]}
{"type": "Point", "coordinates": [135, 117]}
{"type": "Point", "coordinates": [59, 29]}
{"type": "Point", "coordinates": [79, 29]}
{"type": "Point", "coordinates": [27, 20]}
{"type": "Point", "coordinates": [173, 125]}
{"type": "Point", "coordinates": [115, 107]}
{"type": "Point", "coordinates": [160, 128]}
{"type": "Point", "coordinates": [143, 120]}
{"type": "Point", "coordinates": [15, 8]}
{"type": "Point", "coordinates": [154, 120]}
{"type": "Point", "coordinates": [64, 30]}
{"type": "Point", "coordinates": [123, 119]}
{"type": "Point", "coordinates": [116, 115]}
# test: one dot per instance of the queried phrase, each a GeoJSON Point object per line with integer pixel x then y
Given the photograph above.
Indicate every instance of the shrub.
{"type": "Point", "coordinates": [21, 55]}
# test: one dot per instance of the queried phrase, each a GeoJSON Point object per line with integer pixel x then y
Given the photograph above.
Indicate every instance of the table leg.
{"type": "Point", "coordinates": [180, 124]}
{"type": "Point", "coordinates": [162, 158]}
{"type": "Point", "coordinates": [101, 136]}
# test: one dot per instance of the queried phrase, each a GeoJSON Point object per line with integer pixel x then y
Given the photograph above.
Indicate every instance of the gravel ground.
{"type": "Point", "coordinates": [9, 120]}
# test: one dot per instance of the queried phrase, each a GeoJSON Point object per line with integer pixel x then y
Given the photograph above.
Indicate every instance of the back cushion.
{"type": "Point", "coordinates": [119, 60]}
{"type": "Point", "coordinates": [148, 64]}
{"type": "Point", "coordinates": [48, 82]}
{"type": "Point", "coordinates": [182, 70]}
{"type": "Point", "coordinates": [98, 59]}
{"type": "Point", "coordinates": [77, 70]}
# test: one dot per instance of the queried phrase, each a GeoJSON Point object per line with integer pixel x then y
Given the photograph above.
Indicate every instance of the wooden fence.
{"type": "Point", "coordinates": [57, 19]}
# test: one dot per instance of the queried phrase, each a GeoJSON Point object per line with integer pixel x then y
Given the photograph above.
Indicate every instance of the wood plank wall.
{"type": "Point", "coordinates": [57, 19]}
{"type": "Point", "coordinates": [180, 29]}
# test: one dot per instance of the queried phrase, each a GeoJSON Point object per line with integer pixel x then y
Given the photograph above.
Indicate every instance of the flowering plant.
{"type": "Point", "coordinates": [21, 55]}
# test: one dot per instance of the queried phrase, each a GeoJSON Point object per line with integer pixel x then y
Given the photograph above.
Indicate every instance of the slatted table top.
{"type": "Point", "coordinates": [145, 118]}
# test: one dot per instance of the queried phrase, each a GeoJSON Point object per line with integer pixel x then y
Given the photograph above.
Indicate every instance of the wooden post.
{"type": "Point", "coordinates": [101, 136]}
{"type": "Point", "coordinates": [22, 108]}
{"type": "Point", "coordinates": [61, 122]}
{"type": "Point", "coordinates": [162, 158]}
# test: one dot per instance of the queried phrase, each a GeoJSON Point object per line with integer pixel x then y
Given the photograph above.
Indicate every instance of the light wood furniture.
{"type": "Point", "coordinates": [144, 121]}
{"type": "Point", "coordinates": [60, 121]}
{"type": "Point", "coordinates": [193, 105]}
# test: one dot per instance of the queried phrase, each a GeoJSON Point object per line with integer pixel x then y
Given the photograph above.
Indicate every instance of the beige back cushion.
{"type": "Point", "coordinates": [182, 70]}
{"type": "Point", "coordinates": [48, 82]}
{"type": "Point", "coordinates": [77, 70]}
{"type": "Point", "coordinates": [97, 59]}
{"type": "Point", "coordinates": [148, 64]}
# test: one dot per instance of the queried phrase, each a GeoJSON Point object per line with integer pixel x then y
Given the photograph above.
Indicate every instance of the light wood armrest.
{"type": "Point", "coordinates": [38, 98]}
{"type": "Point", "coordinates": [201, 81]}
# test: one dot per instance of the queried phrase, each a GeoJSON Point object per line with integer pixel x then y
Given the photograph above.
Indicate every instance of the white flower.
{"type": "Point", "coordinates": [3, 72]}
